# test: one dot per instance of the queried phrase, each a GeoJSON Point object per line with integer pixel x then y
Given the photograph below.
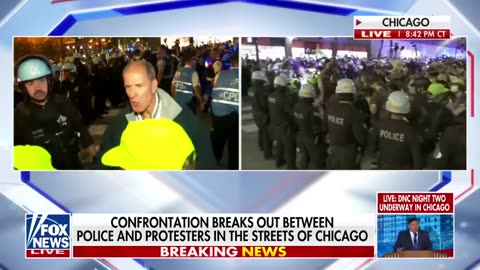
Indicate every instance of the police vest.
{"type": "Point", "coordinates": [226, 93]}
{"type": "Point", "coordinates": [53, 130]}
{"type": "Point", "coordinates": [183, 85]}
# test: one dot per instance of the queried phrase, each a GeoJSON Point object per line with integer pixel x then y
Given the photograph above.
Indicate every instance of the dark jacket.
{"type": "Point", "coordinates": [404, 241]}
{"type": "Point", "coordinates": [172, 110]}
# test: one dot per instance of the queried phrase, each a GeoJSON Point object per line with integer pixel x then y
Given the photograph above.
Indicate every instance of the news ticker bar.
{"type": "Point", "coordinates": [195, 252]}
{"type": "Point", "coordinates": [402, 27]}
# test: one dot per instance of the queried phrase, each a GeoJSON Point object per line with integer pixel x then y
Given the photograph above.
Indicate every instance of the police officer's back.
{"type": "Point", "coordinates": [261, 91]}
{"type": "Point", "coordinates": [451, 150]}
{"type": "Point", "coordinates": [225, 103]}
{"type": "Point", "coordinates": [280, 107]}
{"type": "Point", "coordinates": [418, 111]}
{"type": "Point", "coordinates": [397, 142]}
{"type": "Point", "coordinates": [309, 125]}
{"type": "Point", "coordinates": [347, 129]}
{"type": "Point", "coordinates": [438, 116]}
{"type": "Point", "coordinates": [48, 120]}
{"type": "Point", "coordinates": [281, 123]}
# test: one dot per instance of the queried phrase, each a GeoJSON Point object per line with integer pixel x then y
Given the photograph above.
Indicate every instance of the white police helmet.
{"type": "Point", "coordinates": [280, 81]}
{"type": "Point", "coordinates": [345, 86]}
{"type": "Point", "coordinates": [398, 102]}
{"type": "Point", "coordinates": [258, 75]}
{"type": "Point", "coordinates": [70, 67]}
{"type": "Point", "coordinates": [307, 91]}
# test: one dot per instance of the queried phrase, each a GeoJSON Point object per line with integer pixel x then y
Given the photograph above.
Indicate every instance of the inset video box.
{"type": "Point", "coordinates": [402, 27]}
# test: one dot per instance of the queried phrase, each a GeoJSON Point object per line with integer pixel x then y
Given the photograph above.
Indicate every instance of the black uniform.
{"type": "Point", "coordinates": [451, 152]}
{"type": "Point", "coordinates": [260, 115]}
{"type": "Point", "coordinates": [309, 136]}
{"type": "Point", "coordinates": [56, 126]}
{"type": "Point", "coordinates": [347, 132]}
{"type": "Point", "coordinates": [398, 145]}
{"type": "Point", "coordinates": [99, 86]}
{"type": "Point", "coordinates": [418, 112]}
{"type": "Point", "coordinates": [168, 72]}
{"type": "Point", "coordinates": [438, 118]}
{"type": "Point", "coordinates": [379, 98]}
{"type": "Point", "coordinates": [281, 126]}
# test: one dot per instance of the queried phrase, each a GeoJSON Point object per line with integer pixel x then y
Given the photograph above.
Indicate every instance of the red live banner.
{"type": "Point", "coordinates": [47, 253]}
{"type": "Point", "coordinates": [415, 202]}
{"type": "Point", "coordinates": [427, 34]}
{"type": "Point", "coordinates": [223, 252]}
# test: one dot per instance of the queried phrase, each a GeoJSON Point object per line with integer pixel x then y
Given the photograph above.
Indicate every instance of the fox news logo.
{"type": "Point", "coordinates": [47, 236]}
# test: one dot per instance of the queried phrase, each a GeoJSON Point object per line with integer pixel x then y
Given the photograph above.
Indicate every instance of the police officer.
{"type": "Point", "coordinates": [281, 123]}
{"type": "Point", "coordinates": [48, 120]}
{"type": "Point", "coordinates": [397, 142]}
{"type": "Point", "coordinates": [186, 87]}
{"type": "Point", "coordinates": [261, 91]}
{"type": "Point", "coordinates": [378, 100]}
{"type": "Point", "coordinates": [309, 125]}
{"type": "Point", "coordinates": [225, 98]}
{"type": "Point", "coordinates": [451, 150]}
{"type": "Point", "coordinates": [458, 98]}
{"type": "Point", "coordinates": [347, 131]}
{"type": "Point", "coordinates": [419, 100]}
{"type": "Point", "coordinates": [67, 78]}
{"type": "Point", "coordinates": [99, 85]}
{"type": "Point", "coordinates": [437, 114]}
{"type": "Point", "coordinates": [166, 68]}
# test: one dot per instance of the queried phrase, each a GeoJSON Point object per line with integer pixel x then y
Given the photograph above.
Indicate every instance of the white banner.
{"type": "Point", "coordinates": [401, 22]}
{"type": "Point", "coordinates": [221, 230]}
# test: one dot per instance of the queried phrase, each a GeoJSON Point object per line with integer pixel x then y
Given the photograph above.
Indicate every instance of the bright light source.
{"type": "Point", "coordinates": [68, 47]}
{"type": "Point", "coordinates": [103, 40]}
{"type": "Point", "coordinates": [89, 47]}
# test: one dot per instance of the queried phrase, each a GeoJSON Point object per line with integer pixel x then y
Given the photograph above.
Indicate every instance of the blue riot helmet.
{"type": "Point", "coordinates": [31, 68]}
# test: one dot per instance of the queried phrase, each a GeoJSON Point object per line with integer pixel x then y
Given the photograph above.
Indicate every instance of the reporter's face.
{"type": "Point", "coordinates": [140, 90]}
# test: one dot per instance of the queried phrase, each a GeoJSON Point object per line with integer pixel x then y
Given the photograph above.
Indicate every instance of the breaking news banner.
{"type": "Point", "coordinates": [415, 224]}
{"type": "Point", "coordinates": [207, 236]}
{"type": "Point", "coordinates": [402, 27]}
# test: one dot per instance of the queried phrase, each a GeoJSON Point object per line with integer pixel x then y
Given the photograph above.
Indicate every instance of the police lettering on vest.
{"type": "Point", "coordinates": [225, 95]}
{"type": "Point", "coordinates": [335, 120]}
{"type": "Point", "coordinates": [183, 85]}
{"type": "Point", "coordinates": [394, 136]}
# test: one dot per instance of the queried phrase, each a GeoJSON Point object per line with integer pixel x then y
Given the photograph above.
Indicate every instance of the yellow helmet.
{"type": "Point", "coordinates": [31, 158]}
{"type": "Point", "coordinates": [152, 144]}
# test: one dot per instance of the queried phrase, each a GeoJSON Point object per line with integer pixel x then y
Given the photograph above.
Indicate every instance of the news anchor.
{"type": "Point", "coordinates": [413, 238]}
